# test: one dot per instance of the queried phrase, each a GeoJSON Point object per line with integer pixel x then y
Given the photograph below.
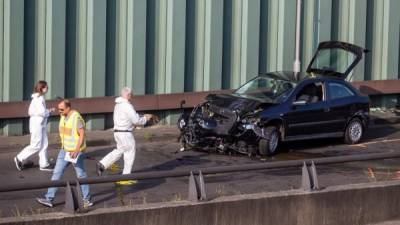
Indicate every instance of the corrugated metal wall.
{"type": "Point", "coordinates": [87, 48]}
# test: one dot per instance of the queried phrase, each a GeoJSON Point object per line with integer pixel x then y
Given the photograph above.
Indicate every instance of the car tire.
{"type": "Point", "coordinates": [354, 131]}
{"type": "Point", "coordinates": [268, 146]}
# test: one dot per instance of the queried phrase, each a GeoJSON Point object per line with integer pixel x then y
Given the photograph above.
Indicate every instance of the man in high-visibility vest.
{"type": "Point", "coordinates": [73, 145]}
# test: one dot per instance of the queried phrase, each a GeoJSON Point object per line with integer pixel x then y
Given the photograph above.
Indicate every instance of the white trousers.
{"type": "Point", "coordinates": [39, 143]}
{"type": "Point", "coordinates": [126, 147]}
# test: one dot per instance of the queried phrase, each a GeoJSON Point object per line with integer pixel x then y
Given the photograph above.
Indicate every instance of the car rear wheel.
{"type": "Point", "coordinates": [268, 146]}
{"type": "Point", "coordinates": [353, 132]}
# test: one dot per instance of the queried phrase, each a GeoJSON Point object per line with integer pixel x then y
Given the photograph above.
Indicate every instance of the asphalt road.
{"type": "Point", "coordinates": [157, 151]}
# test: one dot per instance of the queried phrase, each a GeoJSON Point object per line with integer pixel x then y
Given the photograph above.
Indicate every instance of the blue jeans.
{"type": "Point", "coordinates": [61, 164]}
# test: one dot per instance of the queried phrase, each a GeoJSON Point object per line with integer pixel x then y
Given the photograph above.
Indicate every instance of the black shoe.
{"type": "Point", "coordinates": [100, 168]}
{"type": "Point", "coordinates": [45, 202]}
{"type": "Point", "coordinates": [18, 164]}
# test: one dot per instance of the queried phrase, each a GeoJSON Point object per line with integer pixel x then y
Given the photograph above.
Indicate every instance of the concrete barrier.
{"type": "Point", "coordinates": [340, 205]}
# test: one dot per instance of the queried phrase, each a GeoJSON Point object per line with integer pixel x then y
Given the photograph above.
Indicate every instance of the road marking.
{"type": "Point", "coordinates": [364, 144]}
{"type": "Point", "coordinates": [384, 175]}
{"type": "Point", "coordinates": [360, 145]}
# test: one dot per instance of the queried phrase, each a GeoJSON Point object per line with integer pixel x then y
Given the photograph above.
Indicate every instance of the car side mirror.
{"type": "Point", "coordinates": [299, 102]}
{"type": "Point", "coordinates": [183, 102]}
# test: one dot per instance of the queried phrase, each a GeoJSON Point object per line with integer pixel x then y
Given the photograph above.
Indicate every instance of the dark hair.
{"type": "Point", "coordinates": [66, 102]}
{"type": "Point", "coordinates": [39, 86]}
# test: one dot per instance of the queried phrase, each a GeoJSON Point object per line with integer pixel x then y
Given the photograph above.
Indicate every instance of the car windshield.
{"type": "Point", "coordinates": [266, 88]}
{"type": "Point", "coordinates": [334, 60]}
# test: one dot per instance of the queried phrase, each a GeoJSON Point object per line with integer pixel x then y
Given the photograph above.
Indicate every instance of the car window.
{"type": "Point", "coordinates": [337, 91]}
{"type": "Point", "coordinates": [311, 93]}
{"type": "Point", "coordinates": [333, 60]}
{"type": "Point", "coordinates": [265, 88]}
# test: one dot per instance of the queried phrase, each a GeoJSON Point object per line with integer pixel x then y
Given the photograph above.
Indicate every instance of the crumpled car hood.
{"type": "Point", "coordinates": [233, 103]}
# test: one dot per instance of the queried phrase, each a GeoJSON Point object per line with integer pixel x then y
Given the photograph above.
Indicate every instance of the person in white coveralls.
{"type": "Point", "coordinates": [125, 119]}
{"type": "Point", "coordinates": [37, 127]}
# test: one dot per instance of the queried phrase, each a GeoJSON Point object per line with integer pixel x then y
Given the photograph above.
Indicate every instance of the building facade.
{"type": "Point", "coordinates": [90, 48]}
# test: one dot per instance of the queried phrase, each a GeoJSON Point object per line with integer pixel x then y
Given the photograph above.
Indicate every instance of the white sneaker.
{"type": "Point", "coordinates": [47, 168]}
{"type": "Point", "coordinates": [45, 202]}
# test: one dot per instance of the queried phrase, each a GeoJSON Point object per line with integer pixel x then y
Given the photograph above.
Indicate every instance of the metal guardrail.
{"type": "Point", "coordinates": [204, 171]}
{"type": "Point", "coordinates": [98, 105]}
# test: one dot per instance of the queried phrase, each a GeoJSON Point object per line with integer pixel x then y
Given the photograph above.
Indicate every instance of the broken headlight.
{"type": "Point", "coordinates": [248, 123]}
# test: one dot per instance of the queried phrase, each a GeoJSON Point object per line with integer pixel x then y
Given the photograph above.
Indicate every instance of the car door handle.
{"type": "Point", "coordinates": [327, 109]}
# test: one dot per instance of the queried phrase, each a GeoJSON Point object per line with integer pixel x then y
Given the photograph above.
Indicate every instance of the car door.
{"type": "Point", "coordinates": [340, 98]}
{"type": "Point", "coordinates": [309, 118]}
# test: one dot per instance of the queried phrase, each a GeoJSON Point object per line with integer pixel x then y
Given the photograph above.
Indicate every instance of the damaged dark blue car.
{"type": "Point", "coordinates": [283, 106]}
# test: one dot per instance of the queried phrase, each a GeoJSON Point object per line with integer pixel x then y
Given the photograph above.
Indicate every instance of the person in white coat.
{"type": "Point", "coordinates": [125, 119]}
{"type": "Point", "coordinates": [37, 127]}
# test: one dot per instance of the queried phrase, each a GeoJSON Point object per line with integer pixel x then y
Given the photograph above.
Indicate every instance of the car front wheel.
{"type": "Point", "coordinates": [354, 131]}
{"type": "Point", "coordinates": [268, 146]}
